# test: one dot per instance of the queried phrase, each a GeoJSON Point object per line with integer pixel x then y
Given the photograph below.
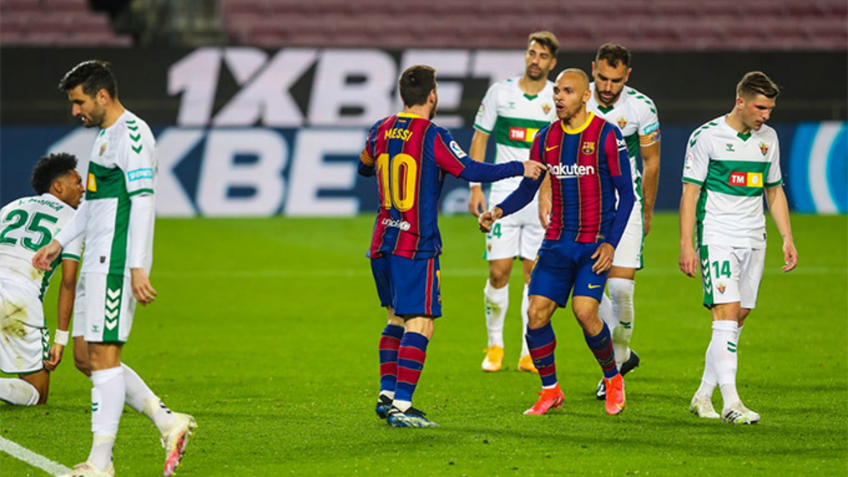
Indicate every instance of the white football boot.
{"type": "Point", "coordinates": [739, 414]}
{"type": "Point", "coordinates": [89, 470]}
{"type": "Point", "coordinates": [702, 406]}
{"type": "Point", "coordinates": [175, 442]}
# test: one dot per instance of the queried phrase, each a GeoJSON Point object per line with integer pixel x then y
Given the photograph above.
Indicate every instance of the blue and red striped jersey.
{"type": "Point", "coordinates": [587, 166]}
{"type": "Point", "coordinates": [412, 157]}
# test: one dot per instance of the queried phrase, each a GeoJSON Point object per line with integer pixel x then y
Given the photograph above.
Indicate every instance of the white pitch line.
{"type": "Point", "coordinates": [31, 458]}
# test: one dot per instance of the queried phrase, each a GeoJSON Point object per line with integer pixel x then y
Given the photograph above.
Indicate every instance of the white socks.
{"type": "Point", "coordinates": [497, 302]}
{"type": "Point", "coordinates": [722, 353]}
{"type": "Point", "coordinates": [142, 400]}
{"type": "Point", "coordinates": [107, 402]}
{"type": "Point", "coordinates": [525, 304]}
{"type": "Point", "coordinates": [18, 392]}
{"type": "Point", "coordinates": [617, 311]}
{"type": "Point", "coordinates": [709, 380]}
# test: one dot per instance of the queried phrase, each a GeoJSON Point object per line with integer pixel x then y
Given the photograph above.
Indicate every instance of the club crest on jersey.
{"type": "Point", "coordinates": [588, 147]}
{"type": "Point", "coordinates": [764, 148]}
{"type": "Point", "coordinates": [622, 121]}
{"type": "Point", "coordinates": [103, 147]}
{"type": "Point", "coordinates": [721, 287]}
{"type": "Point", "coordinates": [547, 108]}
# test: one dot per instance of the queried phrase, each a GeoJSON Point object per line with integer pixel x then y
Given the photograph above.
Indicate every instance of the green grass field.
{"type": "Point", "coordinates": [266, 331]}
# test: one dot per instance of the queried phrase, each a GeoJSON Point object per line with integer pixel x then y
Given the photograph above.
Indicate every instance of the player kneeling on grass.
{"type": "Point", "coordinates": [731, 162]}
{"type": "Point", "coordinates": [411, 157]}
{"type": "Point", "coordinates": [25, 225]}
{"type": "Point", "coordinates": [587, 158]}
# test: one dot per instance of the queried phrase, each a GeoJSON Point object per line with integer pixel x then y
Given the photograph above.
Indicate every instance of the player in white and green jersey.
{"type": "Point", "coordinates": [513, 111]}
{"type": "Point", "coordinates": [636, 116]}
{"type": "Point", "coordinates": [731, 162]}
{"type": "Point", "coordinates": [26, 225]}
{"type": "Point", "coordinates": [117, 220]}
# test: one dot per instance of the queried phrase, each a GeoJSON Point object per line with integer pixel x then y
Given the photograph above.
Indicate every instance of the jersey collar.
{"type": "Point", "coordinates": [581, 128]}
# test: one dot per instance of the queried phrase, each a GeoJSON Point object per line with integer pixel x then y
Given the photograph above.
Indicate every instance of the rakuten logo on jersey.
{"type": "Point", "coordinates": [398, 224]}
{"type": "Point", "coordinates": [562, 171]}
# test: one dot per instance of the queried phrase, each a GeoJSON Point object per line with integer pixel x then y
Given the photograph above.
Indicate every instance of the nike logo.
{"type": "Point", "coordinates": [548, 149]}
{"type": "Point", "coordinates": [592, 287]}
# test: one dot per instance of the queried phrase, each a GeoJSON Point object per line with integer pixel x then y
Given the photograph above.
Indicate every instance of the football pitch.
{"type": "Point", "coordinates": [266, 331]}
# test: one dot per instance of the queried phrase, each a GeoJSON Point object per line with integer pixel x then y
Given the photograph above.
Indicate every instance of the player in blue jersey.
{"type": "Point", "coordinates": [587, 158]}
{"type": "Point", "coordinates": [411, 158]}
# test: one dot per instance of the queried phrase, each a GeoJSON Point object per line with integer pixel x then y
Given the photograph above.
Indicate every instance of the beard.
{"type": "Point", "coordinates": [534, 76]}
{"type": "Point", "coordinates": [95, 119]}
{"type": "Point", "coordinates": [612, 100]}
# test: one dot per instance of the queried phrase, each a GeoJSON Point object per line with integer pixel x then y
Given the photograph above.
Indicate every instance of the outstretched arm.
{"type": "Point", "coordinates": [519, 198]}
{"type": "Point", "coordinates": [476, 199]}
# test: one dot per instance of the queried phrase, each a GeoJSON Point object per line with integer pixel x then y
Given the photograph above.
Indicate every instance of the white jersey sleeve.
{"type": "Point", "coordinates": [138, 159]}
{"type": "Point", "coordinates": [774, 177]}
{"type": "Point", "coordinates": [73, 251]}
{"type": "Point", "coordinates": [487, 115]}
{"type": "Point", "coordinates": [697, 158]}
{"type": "Point", "coordinates": [649, 127]}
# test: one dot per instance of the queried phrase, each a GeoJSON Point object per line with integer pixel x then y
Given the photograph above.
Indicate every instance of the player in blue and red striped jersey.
{"type": "Point", "coordinates": [411, 157]}
{"type": "Point", "coordinates": [588, 162]}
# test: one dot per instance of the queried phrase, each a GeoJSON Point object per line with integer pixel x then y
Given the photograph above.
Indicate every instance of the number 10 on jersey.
{"type": "Point", "coordinates": [398, 178]}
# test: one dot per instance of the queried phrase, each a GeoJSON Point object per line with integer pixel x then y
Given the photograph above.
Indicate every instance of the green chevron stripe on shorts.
{"type": "Point", "coordinates": [709, 300]}
{"type": "Point", "coordinates": [45, 343]}
{"type": "Point", "coordinates": [112, 311]}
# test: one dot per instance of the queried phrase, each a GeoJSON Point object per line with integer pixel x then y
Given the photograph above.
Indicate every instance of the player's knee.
{"type": "Point", "coordinates": [499, 271]}
{"type": "Point", "coordinates": [498, 279]}
{"type": "Point", "coordinates": [82, 365]}
{"type": "Point", "coordinates": [42, 396]}
{"type": "Point", "coordinates": [621, 290]}
{"type": "Point", "coordinates": [537, 316]}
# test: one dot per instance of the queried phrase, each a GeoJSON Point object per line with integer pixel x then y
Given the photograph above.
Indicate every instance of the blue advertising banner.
{"type": "Point", "coordinates": [311, 171]}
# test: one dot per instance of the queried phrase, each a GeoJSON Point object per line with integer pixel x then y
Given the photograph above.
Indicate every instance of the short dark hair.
{"type": "Point", "coordinates": [50, 168]}
{"type": "Point", "coordinates": [756, 82]}
{"type": "Point", "coordinates": [613, 54]}
{"type": "Point", "coordinates": [546, 39]}
{"type": "Point", "coordinates": [415, 84]}
{"type": "Point", "coordinates": [93, 75]}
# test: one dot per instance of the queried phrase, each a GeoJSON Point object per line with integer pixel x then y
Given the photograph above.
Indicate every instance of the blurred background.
{"type": "Point", "coordinates": [261, 107]}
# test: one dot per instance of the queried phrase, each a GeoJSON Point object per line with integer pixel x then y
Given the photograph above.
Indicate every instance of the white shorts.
{"type": "Point", "coordinates": [628, 254]}
{"type": "Point", "coordinates": [23, 347]}
{"type": "Point", "coordinates": [518, 235]}
{"type": "Point", "coordinates": [104, 307]}
{"type": "Point", "coordinates": [731, 274]}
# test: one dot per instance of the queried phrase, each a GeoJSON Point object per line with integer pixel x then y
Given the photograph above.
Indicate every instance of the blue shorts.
{"type": "Point", "coordinates": [410, 287]}
{"type": "Point", "coordinates": [563, 265]}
